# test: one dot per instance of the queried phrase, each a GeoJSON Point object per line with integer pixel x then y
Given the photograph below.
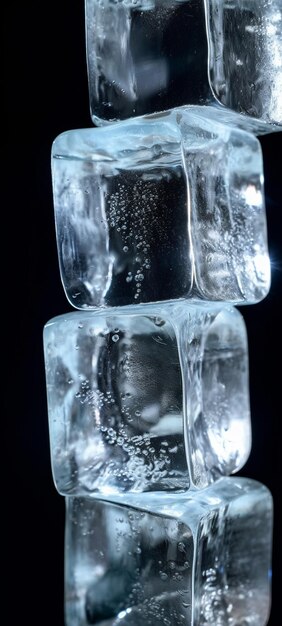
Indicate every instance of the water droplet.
{"type": "Point", "coordinates": [115, 338]}
{"type": "Point", "coordinates": [125, 248]}
{"type": "Point", "coordinates": [163, 576]}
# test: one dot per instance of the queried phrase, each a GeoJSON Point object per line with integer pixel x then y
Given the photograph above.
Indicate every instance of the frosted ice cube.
{"type": "Point", "coordinates": [160, 208]}
{"type": "Point", "coordinates": [177, 560]}
{"type": "Point", "coordinates": [146, 56]}
{"type": "Point", "coordinates": [150, 398]}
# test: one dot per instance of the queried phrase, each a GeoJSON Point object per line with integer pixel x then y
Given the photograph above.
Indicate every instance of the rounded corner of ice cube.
{"type": "Point", "coordinates": [245, 454]}
{"type": "Point", "coordinates": [48, 325]}
{"type": "Point", "coordinates": [101, 122]}
{"type": "Point", "coordinates": [58, 143]}
{"type": "Point", "coordinates": [261, 294]}
{"type": "Point", "coordinates": [79, 299]}
{"type": "Point", "coordinates": [265, 491]}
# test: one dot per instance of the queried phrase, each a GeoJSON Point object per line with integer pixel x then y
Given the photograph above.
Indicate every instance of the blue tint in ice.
{"type": "Point", "coordinates": [161, 208]}
{"type": "Point", "coordinates": [147, 398]}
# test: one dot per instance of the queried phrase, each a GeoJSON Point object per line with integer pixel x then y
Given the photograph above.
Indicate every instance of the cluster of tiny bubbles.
{"type": "Point", "coordinates": [93, 397]}
{"type": "Point", "coordinates": [136, 532]}
{"type": "Point", "coordinates": [214, 605]}
{"type": "Point", "coordinates": [143, 464]}
{"type": "Point", "coordinates": [81, 519]}
{"type": "Point", "coordinates": [134, 228]}
{"type": "Point", "coordinates": [153, 612]}
{"type": "Point", "coordinates": [126, 3]}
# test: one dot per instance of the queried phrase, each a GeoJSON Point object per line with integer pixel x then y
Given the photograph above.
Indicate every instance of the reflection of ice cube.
{"type": "Point", "coordinates": [170, 559]}
{"type": "Point", "coordinates": [161, 208]}
{"type": "Point", "coordinates": [145, 57]}
{"type": "Point", "coordinates": [152, 399]}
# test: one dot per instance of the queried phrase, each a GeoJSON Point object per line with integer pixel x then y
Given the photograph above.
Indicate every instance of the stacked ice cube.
{"type": "Point", "coordinates": [161, 230]}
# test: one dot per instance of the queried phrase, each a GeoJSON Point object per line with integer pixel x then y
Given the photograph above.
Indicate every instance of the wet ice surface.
{"type": "Point", "coordinates": [154, 398]}
{"type": "Point", "coordinates": [161, 208]}
{"type": "Point", "coordinates": [146, 56]}
{"type": "Point", "coordinates": [172, 560]}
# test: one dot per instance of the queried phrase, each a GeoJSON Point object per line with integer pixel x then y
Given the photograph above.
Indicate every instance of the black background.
{"type": "Point", "coordinates": [45, 93]}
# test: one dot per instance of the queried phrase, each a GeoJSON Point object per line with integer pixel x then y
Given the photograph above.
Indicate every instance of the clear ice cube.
{"type": "Point", "coordinates": [183, 560]}
{"type": "Point", "coordinates": [153, 398]}
{"type": "Point", "coordinates": [160, 208]}
{"type": "Point", "coordinates": [147, 56]}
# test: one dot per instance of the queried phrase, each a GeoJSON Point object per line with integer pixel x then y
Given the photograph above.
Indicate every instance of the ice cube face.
{"type": "Point", "coordinates": [154, 399]}
{"type": "Point", "coordinates": [159, 209]}
{"type": "Point", "coordinates": [147, 56]}
{"type": "Point", "coordinates": [245, 45]}
{"type": "Point", "coordinates": [171, 560]}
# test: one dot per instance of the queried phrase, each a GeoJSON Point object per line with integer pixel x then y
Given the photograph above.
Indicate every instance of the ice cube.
{"type": "Point", "coordinates": [180, 560]}
{"type": "Point", "coordinates": [159, 209]}
{"type": "Point", "coordinates": [147, 56]}
{"type": "Point", "coordinates": [150, 398]}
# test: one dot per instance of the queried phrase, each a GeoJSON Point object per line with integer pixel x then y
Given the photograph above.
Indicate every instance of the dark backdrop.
{"type": "Point", "coordinates": [46, 93]}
